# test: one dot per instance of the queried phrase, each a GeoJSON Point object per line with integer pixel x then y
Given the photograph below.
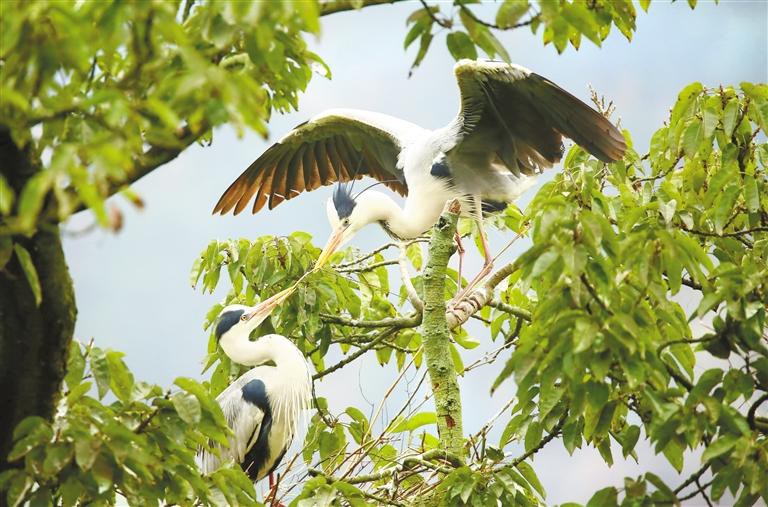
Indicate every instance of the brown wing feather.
{"type": "Point", "coordinates": [523, 117]}
{"type": "Point", "coordinates": [318, 153]}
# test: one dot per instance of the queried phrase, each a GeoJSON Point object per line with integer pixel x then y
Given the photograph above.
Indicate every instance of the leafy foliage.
{"type": "Point", "coordinates": [609, 342]}
{"type": "Point", "coordinates": [140, 83]}
{"type": "Point", "coordinates": [604, 348]}
{"type": "Point", "coordinates": [562, 22]}
{"type": "Point", "coordinates": [141, 445]}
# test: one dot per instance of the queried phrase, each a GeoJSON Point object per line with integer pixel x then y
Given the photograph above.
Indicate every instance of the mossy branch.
{"type": "Point", "coordinates": [436, 337]}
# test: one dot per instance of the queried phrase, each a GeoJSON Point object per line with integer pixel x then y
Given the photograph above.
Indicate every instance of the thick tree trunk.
{"type": "Point", "coordinates": [34, 340]}
{"type": "Point", "coordinates": [437, 339]}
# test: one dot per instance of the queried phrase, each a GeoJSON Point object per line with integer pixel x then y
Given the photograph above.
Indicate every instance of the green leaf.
{"type": "Point", "coordinates": [187, 406]}
{"type": "Point", "coordinates": [711, 118]}
{"type": "Point", "coordinates": [530, 476]}
{"type": "Point", "coordinates": [7, 196]}
{"type": "Point", "coordinates": [543, 262]}
{"type": "Point", "coordinates": [751, 195]}
{"type": "Point", "coordinates": [419, 28]}
{"type": "Point", "coordinates": [510, 12]}
{"type": "Point", "coordinates": [719, 447]}
{"type": "Point", "coordinates": [415, 421]}
{"type": "Point", "coordinates": [730, 115]}
{"type": "Point", "coordinates": [31, 199]}
{"type": "Point", "coordinates": [465, 340]}
{"type": "Point", "coordinates": [685, 101]}
{"type": "Point", "coordinates": [30, 433]}
{"type": "Point", "coordinates": [75, 365]}
{"type": "Point", "coordinates": [606, 497]}
{"type": "Point", "coordinates": [629, 439]}
{"type": "Point", "coordinates": [6, 250]}
{"type": "Point", "coordinates": [57, 456]}
{"type": "Point", "coordinates": [692, 137]}
{"type": "Point", "coordinates": [458, 363]}
{"type": "Point", "coordinates": [533, 435]}
{"type": "Point", "coordinates": [86, 451]}
{"type": "Point", "coordinates": [100, 370]}
{"type": "Point", "coordinates": [583, 19]}
{"type": "Point", "coordinates": [424, 42]}
{"type": "Point", "coordinates": [460, 46]}
{"type": "Point", "coordinates": [674, 454]}
{"type": "Point", "coordinates": [25, 261]}
{"type": "Point", "coordinates": [20, 485]}
{"type": "Point", "coordinates": [120, 379]}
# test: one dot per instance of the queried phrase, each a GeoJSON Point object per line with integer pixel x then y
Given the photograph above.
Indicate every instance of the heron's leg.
{"type": "Point", "coordinates": [460, 250]}
{"type": "Point", "coordinates": [488, 258]}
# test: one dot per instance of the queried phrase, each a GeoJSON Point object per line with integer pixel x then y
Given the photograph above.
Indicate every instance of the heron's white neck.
{"type": "Point", "coordinates": [271, 347]}
{"type": "Point", "coordinates": [406, 223]}
{"type": "Point", "coordinates": [289, 380]}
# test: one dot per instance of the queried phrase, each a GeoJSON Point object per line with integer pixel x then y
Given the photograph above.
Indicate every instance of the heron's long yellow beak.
{"type": "Point", "coordinates": [264, 308]}
{"type": "Point", "coordinates": [330, 247]}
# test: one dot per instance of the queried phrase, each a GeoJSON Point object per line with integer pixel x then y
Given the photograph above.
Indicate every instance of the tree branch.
{"type": "Point", "coordinates": [362, 350]}
{"type": "Point", "coordinates": [334, 6]}
{"type": "Point", "coordinates": [753, 410]}
{"type": "Point", "coordinates": [513, 310]}
{"type": "Point", "coordinates": [405, 276]}
{"type": "Point", "coordinates": [544, 441]}
{"type": "Point", "coordinates": [437, 352]}
{"type": "Point", "coordinates": [369, 267]}
{"type": "Point", "coordinates": [412, 320]}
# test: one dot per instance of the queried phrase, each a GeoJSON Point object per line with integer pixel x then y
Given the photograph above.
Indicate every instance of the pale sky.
{"type": "Point", "coordinates": [133, 288]}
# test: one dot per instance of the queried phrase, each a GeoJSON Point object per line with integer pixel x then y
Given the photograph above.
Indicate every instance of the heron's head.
{"type": "Point", "coordinates": [237, 319]}
{"type": "Point", "coordinates": [348, 214]}
{"type": "Point", "coordinates": [345, 218]}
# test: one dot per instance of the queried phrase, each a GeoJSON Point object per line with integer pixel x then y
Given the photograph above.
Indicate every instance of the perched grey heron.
{"type": "Point", "coordinates": [264, 406]}
{"type": "Point", "coordinates": [509, 127]}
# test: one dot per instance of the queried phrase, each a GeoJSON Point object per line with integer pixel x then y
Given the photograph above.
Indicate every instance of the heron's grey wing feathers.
{"type": "Point", "coordinates": [244, 419]}
{"type": "Point", "coordinates": [521, 117]}
{"type": "Point", "coordinates": [338, 145]}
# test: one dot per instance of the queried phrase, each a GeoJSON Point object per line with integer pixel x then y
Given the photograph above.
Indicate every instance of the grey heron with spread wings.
{"type": "Point", "coordinates": [510, 126]}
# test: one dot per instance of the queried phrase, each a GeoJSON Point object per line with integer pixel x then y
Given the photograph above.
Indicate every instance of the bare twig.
{"type": "Point", "coordinates": [405, 276]}
{"type": "Point", "coordinates": [544, 441]}
{"type": "Point", "coordinates": [412, 320]}
{"type": "Point", "coordinates": [335, 6]}
{"type": "Point", "coordinates": [513, 310]}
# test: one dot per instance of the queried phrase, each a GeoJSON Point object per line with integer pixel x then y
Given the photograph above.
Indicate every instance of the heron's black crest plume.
{"type": "Point", "coordinates": [343, 200]}
{"type": "Point", "coordinates": [373, 185]}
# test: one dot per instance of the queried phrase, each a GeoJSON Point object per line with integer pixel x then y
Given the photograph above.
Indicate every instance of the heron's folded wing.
{"type": "Point", "coordinates": [522, 117]}
{"type": "Point", "coordinates": [338, 145]}
{"type": "Point", "coordinates": [244, 419]}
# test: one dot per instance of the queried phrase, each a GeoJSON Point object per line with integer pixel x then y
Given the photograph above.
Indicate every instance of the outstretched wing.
{"type": "Point", "coordinates": [338, 145]}
{"type": "Point", "coordinates": [521, 117]}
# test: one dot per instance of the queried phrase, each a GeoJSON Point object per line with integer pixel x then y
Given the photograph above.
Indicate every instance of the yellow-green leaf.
{"type": "Point", "coordinates": [25, 260]}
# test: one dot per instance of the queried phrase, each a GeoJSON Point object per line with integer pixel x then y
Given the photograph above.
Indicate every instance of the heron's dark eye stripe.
{"type": "Point", "coordinates": [226, 321]}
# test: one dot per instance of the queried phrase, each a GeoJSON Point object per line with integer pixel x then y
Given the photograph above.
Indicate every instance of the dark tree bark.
{"type": "Point", "coordinates": [34, 340]}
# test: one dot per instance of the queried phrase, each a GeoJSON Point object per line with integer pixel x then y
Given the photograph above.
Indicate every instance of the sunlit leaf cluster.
{"type": "Point", "coordinates": [140, 82]}
{"type": "Point", "coordinates": [470, 30]}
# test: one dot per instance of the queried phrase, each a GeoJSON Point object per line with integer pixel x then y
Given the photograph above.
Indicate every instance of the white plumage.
{"type": "Point", "coordinates": [264, 406]}
{"type": "Point", "coordinates": [509, 127]}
